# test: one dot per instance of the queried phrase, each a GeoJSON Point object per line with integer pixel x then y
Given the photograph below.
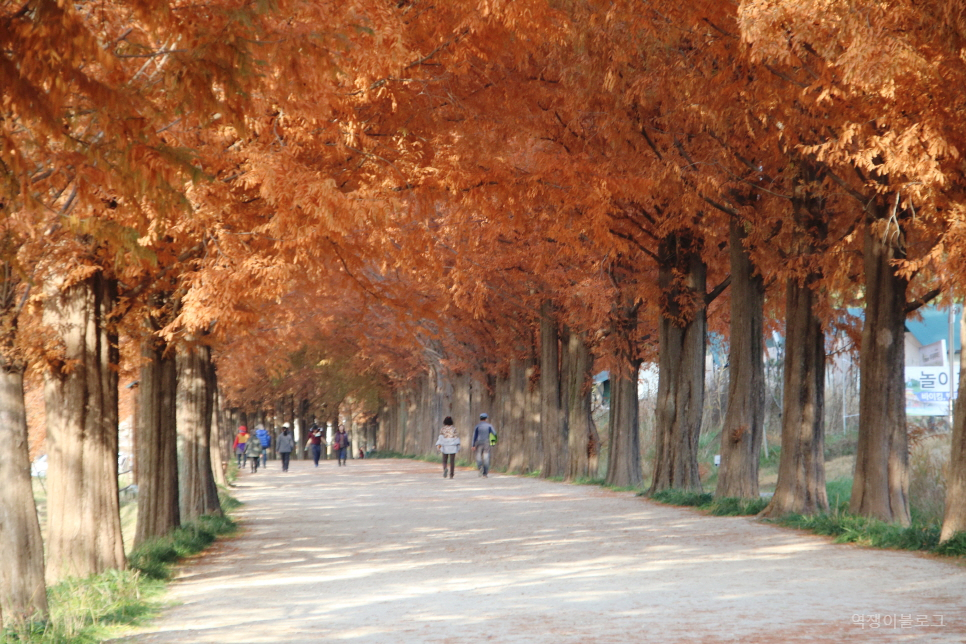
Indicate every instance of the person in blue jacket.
{"type": "Point", "coordinates": [481, 444]}
{"type": "Point", "coordinates": [265, 439]}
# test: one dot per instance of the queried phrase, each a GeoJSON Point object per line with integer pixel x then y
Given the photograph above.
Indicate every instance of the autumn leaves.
{"type": "Point", "coordinates": [358, 193]}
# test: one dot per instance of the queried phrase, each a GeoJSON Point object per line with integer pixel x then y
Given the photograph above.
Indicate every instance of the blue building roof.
{"type": "Point", "coordinates": [934, 325]}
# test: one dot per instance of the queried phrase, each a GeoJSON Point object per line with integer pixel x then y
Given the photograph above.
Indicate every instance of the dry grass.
{"type": "Point", "coordinates": [928, 462]}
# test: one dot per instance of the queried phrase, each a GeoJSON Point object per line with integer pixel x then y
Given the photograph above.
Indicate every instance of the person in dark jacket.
{"type": "Point", "coordinates": [481, 444]}
{"type": "Point", "coordinates": [340, 443]}
{"type": "Point", "coordinates": [285, 445]}
{"type": "Point", "coordinates": [253, 452]}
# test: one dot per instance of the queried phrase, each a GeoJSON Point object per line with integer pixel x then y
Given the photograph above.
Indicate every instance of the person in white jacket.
{"type": "Point", "coordinates": [448, 444]}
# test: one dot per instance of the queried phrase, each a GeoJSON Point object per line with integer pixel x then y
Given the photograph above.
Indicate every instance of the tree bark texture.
{"type": "Point", "coordinates": [512, 431]}
{"type": "Point", "coordinates": [197, 490]}
{"type": "Point", "coordinates": [502, 420]}
{"type": "Point", "coordinates": [743, 427]}
{"type": "Point", "coordinates": [461, 409]}
{"type": "Point", "coordinates": [219, 443]}
{"type": "Point", "coordinates": [81, 398]}
{"type": "Point", "coordinates": [157, 444]}
{"type": "Point", "coordinates": [682, 336]}
{"type": "Point", "coordinates": [552, 419]}
{"type": "Point", "coordinates": [577, 379]}
{"type": "Point", "coordinates": [532, 421]}
{"type": "Point", "coordinates": [801, 469]}
{"type": "Point", "coordinates": [624, 452]}
{"type": "Point", "coordinates": [880, 487]}
{"type": "Point", "coordinates": [954, 518]}
{"type": "Point", "coordinates": [300, 430]}
{"type": "Point", "coordinates": [23, 595]}
{"type": "Point", "coordinates": [384, 420]}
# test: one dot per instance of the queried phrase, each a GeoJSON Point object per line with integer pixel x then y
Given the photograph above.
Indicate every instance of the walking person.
{"type": "Point", "coordinates": [448, 444]}
{"type": "Point", "coordinates": [316, 438]}
{"type": "Point", "coordinates": [285, 445]}
{"type": "Point", "coordinates": [266, 441]}
{"type": "Point", "coordinates": [481, 444]}
{"type": "Point", "coordinates": [341, 444]}
{"type": "Point", "coordinates": [239, 445]}
{"type": "Point", "coordinates": [253, 452]}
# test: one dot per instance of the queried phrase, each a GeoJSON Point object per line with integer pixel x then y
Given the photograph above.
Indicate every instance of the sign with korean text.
{"type": "Point", "coordinates": [927, 391]}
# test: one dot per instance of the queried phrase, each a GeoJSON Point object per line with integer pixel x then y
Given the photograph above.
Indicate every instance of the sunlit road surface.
{"type": "Point", "coordinates": [387, 551]}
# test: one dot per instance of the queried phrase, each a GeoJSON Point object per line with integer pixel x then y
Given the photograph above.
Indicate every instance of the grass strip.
{"type": "Point", "coordinates": [864, 531]}
{"type": "Point", "coordinates": [155, 558]}
{"type": "Point", "coordinates": [705, 501]}
{"type": "Point", "coordinates": [838, 524]}
{"type": "Point", "coordinates": [101, 607]}
{"type": "Point", "coordinates": [92, 609]}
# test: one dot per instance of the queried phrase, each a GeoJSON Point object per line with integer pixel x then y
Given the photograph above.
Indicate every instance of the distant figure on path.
{"type": "Point", "coordinates": [481, 444]}
{"type": "Point", "coordinates": [316, 436]}
{"type": "Point", "coordinates": [253, 451]}
{"type": "Point", "coordinates": [285, 445]}
{"type": "Point", "coordinates": [239, 445]}
{"type": "Point", "coordinates": [265, 439]}
{"type": "Point", "coordinates": [341, 444]}
{"type": "Point", "coordinates": [448, 444]}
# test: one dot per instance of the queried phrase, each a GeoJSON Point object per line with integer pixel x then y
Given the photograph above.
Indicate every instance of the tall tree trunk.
{"type": "Point", "coordinates": [880, 488]}
{"type": "Point", "coordinates": [217, 443]}
{"type": "Point", "coordinates": [301, 428]}
{"type": "Point", "coordinates": [552, 419]}
{"type": "Point", "coordinates": [743, 427]}
{"type": "Point", "coordinates": [682, 335]}
{"type": "Point", "coordinates": [198, 492]}
{"type": "Point", "coordinates": [532, 422]}
{"type": "Point", "coordinates": [513, 428]}
{"type": "Point", "coordinates": [624, 455]}
{"type": "Point", "coordinates": [157, 442]}
{"type": "Point", "coordinates": [801, 469]}
{"type": "Point", "coordinates": [23, 595]}
{"type": "Point", "coordinates": [954, 519]}
{"type": "Point", "coordinates": [583, 436]}
{"type": "Point", "coordinates": [80, 395]}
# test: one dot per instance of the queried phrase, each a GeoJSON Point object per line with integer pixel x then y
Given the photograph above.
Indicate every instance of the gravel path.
{"type": "Point", "coordinates": [386, 551]}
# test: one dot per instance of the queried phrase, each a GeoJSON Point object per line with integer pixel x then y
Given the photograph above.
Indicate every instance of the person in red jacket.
{"type": "Point", "coordinates": [241, 438]}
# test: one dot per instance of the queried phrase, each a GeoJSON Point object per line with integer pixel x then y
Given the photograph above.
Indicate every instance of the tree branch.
{"type": "Point", "coordinates": [925, 299]}
{"type": "Point", "coordinates": [631, 239]}
{"type": "Point", "coordinates": [717, 290]}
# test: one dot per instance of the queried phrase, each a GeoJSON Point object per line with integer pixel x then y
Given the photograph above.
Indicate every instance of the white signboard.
{"type": "Point", "coordinates": [927, 391]}
{"type": "Point", "coordinates": [933, 355]}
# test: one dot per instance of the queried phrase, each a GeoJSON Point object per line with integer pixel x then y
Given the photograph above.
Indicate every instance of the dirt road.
{"type": "Point", "coordinates": [387, 551]}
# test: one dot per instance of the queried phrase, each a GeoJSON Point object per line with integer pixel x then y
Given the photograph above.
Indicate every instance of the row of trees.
{"type": "Point", "coordinates": [454, 205]}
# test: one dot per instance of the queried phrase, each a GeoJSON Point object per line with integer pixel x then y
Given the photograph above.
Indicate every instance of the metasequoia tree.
{"type": "Point", "coordinates": [682, 336]}
{"type": "Point", "coordinates": [894, 155]}
{"type": "Point", "coordinates": [552, 416]}
{"type": "Point", "coordinates": [157, 442]}
{"type": "Point", "coordinates": [23, 596]}
{"type": "Point", "coordinates": [743, 428]}
{"type": "Point", "coordinates": [198, 494]}
{"type": "Point", "coordinates": [954, 518]}
{"type": "Point", "coordinates": [80, 395]}
{"type": "Point", "coordinates": [583, 438]}
{"type": "Point", "coordinates": [801, 471]}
